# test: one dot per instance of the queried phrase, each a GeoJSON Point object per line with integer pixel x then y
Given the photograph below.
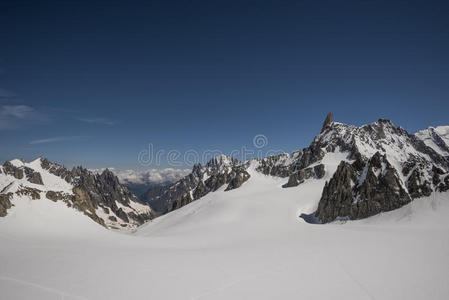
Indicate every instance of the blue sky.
{"type": "Point", "coordinates": [94, 82]}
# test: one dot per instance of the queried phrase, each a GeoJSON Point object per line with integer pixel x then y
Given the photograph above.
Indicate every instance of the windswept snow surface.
{"type": "Point", "coordinates": [247, 243]}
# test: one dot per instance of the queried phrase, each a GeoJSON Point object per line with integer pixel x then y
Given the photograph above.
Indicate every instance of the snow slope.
{"type": "Point", "coordinates": [247, 243]}
{"type": "Point", "coordinates": [436, 138]}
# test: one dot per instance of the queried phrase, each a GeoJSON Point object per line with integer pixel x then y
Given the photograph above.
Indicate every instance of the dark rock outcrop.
{"type": "Point", "coordinates": [444, 184]}
{"type": "Point", "coordinates": [33, 193]}
{"type": "Point", "coordinates": [319, 171]}
{"type": "Point", "coordinates": [352, 194]}
{"type": "Point", "coordinates": [21, 172]}
{"type": "Point", "coordinates": [284, 165]}
{"type": "Point", "coordinates": [200, 191]}
{"type": "Point", "coordinates": [300, 176]}
{"type": "Point", "coordinates": [180, 202]}
{"type": "Point", "coordinates": [417, 186]}
{"type": "Point", "coordinates": [57, 170]}
{"type": "Point", "coordinates": [33, 176]}
{"type": "Point", "coordinates": [238, 177]}
{"type": "Point", "coordinates": [12, 170]}
{"type": "Point", "coordinates": [5, 203]}
{"type": "Point", "coordinates": [57, 196]}
{"type": "Point", "coordinates": [327, 122]}
{"type": "Point", "coordinates": [104, 190]}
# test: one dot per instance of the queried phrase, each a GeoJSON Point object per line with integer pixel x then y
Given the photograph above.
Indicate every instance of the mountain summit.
{"type": "Point", "coordinates": [327, 121]}
{"type": "Point", "coordinates": [359, 171]}
{"type": "Point", "coordinates": [381, 167]}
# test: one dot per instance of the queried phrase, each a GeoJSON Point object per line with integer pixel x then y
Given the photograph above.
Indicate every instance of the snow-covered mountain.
{"type": "Point", "coordinates": [383, 167]}
{"type": "Point", "coordinates": [99, 196]}
{"type": "Point", "coordinates": [246, 243]}
{"type": "Point", "coordinates": [240, 236]}
{"type": "Point", "coordinates": [219, 171]}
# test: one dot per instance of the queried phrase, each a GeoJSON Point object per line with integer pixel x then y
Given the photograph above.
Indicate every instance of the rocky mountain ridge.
{"type": "Point", "coordinates": [99, 196]}
{"type": "Point", "coordinates": [385, 168]}
{"type": "Point", "coordinates": [382, 167]}
{"type": "Point", "coordinates": [219, 171]}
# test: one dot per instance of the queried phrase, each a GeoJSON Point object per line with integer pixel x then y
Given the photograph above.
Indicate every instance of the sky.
{"type": "Point", "coordinates": [95, 83]}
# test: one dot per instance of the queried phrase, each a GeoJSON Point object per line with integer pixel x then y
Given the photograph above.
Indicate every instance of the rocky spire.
{"type": "Point", "coordinates": [327, 122]}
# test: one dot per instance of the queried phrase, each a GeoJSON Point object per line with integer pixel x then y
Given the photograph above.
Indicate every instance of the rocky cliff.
{"type": "Point", "coordinates": [99, 196]}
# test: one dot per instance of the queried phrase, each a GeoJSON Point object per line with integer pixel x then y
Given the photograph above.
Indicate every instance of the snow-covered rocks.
{"type": "Point", "coordinates": [99, 196]}
{"type": "Point", "coordinates": [413, 166]}
{"type": "Point", "coordinates": [360, 190]}
{"type": "Point", "coordinates": [219, 171]}
{"type": "Point", "coordinates": [436, 138]}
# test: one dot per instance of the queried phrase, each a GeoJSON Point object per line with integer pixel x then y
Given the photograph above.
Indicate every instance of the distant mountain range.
{"type": "Point", "coordinates": [381, 167]}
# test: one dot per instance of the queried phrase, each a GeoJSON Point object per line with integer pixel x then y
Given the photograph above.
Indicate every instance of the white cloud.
{"type": "Point", "coordinates": [102, 121]}
{"type": "Point", "coordinates": [150, 176]}
{"type": "Point", "coordinates": [12, 116]}
{"type": "Point", "coordinates": [17, 111]}
{"type": "Point", "coordinates": [55, 139]}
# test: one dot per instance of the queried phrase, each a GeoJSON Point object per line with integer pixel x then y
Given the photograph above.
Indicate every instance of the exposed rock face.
{"type": "Point", "coordinates": [278, 165]}
{"type": "Point", "coordinates": [284, 165]}
{"type": "Point", "coordinates": [300, 176]}
{"type": "Point", "coordinates": [56, 169]}
{"type": "Point", "coordinates": [31, 192]}
{"type": "Point", "coordinates": [5, 203]}
{"type": "Point", "coordinates": [99, 196]}
{"type": "Point", "coordinates": [10, 169]}
{"type": "Point", "coordinates": [440, 180]}
{"type": "Point", "coordinates": [19, 173]}
{"type": "Point", "coordinates": [412, 167]}
{"type": "Point", "coordinates": [353, 194]}
{"type": "Point", "coordinates": [319, 171]}
{"type": "Point", "coordinates": [417, 185]}
{"type": "Point", "coordinates": [327, 122]}
{"type": "Point", "coordinates": [104, 191]}
{"type": "Point", "coordinates": [200, 191]}
{"type": "Point", "coordinates": [57, 196]}
{"type": "Point", "coordinates": [238, 177]}
{"type": "Point", "coordinates": [219, 171]}
{"type": "Point", "coordinates": [32, 176]}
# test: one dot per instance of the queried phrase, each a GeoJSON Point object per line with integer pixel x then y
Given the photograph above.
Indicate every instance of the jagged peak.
{"type": "Point", "coordinates": [327, 122]}
{"type": "Point", "coordinates": [385, 121]}
{"type": "Point", "coordinates": [379, 127]}
{"type": "Point", "coordinates": [222, 160]}
{"type": "Point", "coordinates": [107, 172]}
{"type": "Point", "coordinates": [109, 176]}
{"type": "Point", "coordinates": [197, 167]}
